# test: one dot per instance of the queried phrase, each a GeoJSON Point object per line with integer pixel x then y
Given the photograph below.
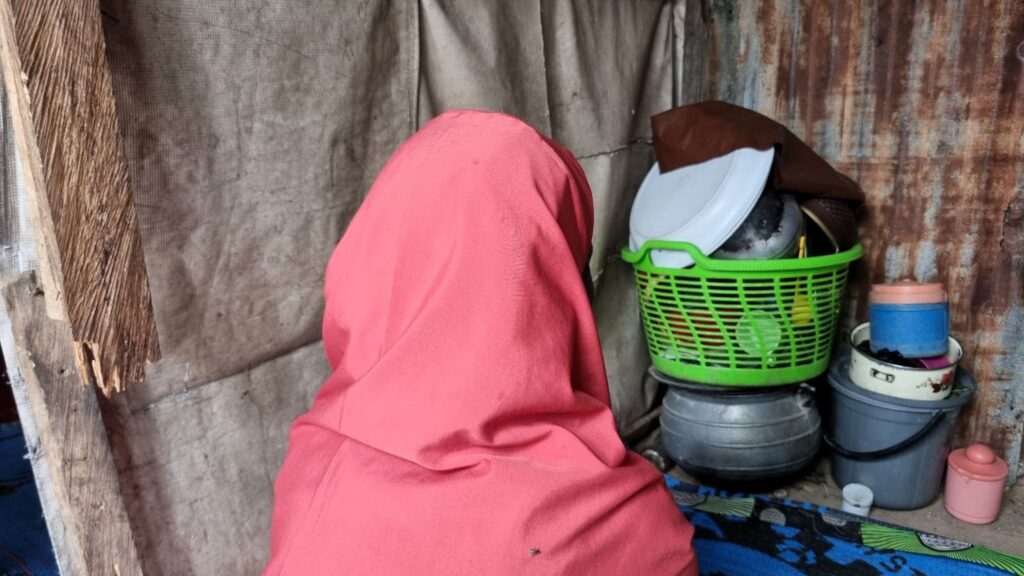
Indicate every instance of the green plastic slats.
{"type": "Point", "coordinates": [740, 323]}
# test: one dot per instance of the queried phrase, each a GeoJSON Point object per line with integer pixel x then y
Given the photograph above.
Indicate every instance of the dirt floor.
{"type": "Point", "coordinates": [1006, 534]}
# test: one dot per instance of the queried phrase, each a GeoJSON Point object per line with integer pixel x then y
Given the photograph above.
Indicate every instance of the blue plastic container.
{"type": "Point", "coordinates": [913, 330]}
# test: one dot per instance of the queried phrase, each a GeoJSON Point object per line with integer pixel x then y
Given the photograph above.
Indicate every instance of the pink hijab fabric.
{"type": "Point", "coordinates": [466, 427]}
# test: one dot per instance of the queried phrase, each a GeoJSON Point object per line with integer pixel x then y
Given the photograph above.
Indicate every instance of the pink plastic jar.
{"type": "Point", "coordinates": [975, 480]}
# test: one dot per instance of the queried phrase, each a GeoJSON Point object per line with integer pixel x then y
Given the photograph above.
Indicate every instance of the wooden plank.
{"type": "Point", "coordinates": [92, 270]}
{"type": "Point", "coordinates": [40, 467]}
{"type": "Point", "coordinates": [68, 441]}
{"type": "Point", "coordinates": [39, 215]}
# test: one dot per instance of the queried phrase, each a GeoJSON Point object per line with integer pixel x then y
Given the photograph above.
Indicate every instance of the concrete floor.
{"type": "Point", "coordinates": [1006, 534]}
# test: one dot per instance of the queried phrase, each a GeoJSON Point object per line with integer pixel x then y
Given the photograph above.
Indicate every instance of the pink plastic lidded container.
{"type": "Point", "coordinates": [975, 480]}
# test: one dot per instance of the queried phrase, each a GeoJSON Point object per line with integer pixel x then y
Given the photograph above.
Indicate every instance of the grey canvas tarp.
{"type": "Point", "coordinates": [253, 131]}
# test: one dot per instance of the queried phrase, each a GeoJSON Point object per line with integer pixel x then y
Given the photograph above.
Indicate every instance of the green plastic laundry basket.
{"type": "Point", "coordinates": [740, 322]}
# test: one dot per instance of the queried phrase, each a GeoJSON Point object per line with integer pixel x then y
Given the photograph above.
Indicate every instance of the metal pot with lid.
{"type": "Point", "coordinates": [740, 435]}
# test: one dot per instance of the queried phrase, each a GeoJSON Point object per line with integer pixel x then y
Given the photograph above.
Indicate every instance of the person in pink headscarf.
{"type": "Point", "coordinates": [466, 427]}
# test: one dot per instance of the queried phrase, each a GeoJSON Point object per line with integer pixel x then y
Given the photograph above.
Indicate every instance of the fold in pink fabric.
{"type": "Point", "coordinates": [466, 427]}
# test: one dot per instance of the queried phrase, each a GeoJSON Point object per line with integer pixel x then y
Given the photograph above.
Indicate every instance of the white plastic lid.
{"type": "Point", "coordinates": [703, 204]}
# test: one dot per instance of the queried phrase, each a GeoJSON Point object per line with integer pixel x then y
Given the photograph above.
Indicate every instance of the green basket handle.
{"type": "Point", "coordinates": [643, 255]}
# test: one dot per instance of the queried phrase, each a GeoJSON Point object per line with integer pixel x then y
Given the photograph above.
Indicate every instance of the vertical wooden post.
{"type": "Point", "coordinates": [68, 443]}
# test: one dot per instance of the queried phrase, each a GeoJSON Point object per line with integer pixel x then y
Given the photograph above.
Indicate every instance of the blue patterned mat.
{"type": "Point", "coordinates": [739, 534]}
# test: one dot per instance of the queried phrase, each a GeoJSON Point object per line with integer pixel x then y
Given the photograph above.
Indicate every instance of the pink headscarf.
{"type": "Point", "coordinates": [466, 428]}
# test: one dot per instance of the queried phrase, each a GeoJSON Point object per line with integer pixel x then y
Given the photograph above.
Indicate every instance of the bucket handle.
{"type": "Point", "coordinates": [894, 449]}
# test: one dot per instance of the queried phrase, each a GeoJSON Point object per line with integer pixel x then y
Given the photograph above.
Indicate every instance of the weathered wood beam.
{"type": "Point", "coordinates": [91, 265]}
{"type": "Point", "coordinates": [68, 442]}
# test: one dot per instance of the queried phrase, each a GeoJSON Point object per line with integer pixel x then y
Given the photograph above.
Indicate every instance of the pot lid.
{"type": "Point", "coordinates": [908, 292]}
{"type": "Point", "coordinates": [979, 462]}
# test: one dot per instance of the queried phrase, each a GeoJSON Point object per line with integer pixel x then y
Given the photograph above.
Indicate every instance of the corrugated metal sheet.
{"type": "Point", "coordinates": [922, 103]}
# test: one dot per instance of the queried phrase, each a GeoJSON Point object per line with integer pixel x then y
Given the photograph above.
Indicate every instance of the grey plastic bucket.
{"type": "Point", "coordinates": [894, 446]}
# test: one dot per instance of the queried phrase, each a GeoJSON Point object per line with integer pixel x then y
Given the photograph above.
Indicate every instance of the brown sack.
{"type": "Point", "coordinates": [699, 132]}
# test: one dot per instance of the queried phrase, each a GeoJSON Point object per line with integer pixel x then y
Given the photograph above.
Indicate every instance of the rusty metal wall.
{"type": "Point", "coordinates": [923, 104]}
